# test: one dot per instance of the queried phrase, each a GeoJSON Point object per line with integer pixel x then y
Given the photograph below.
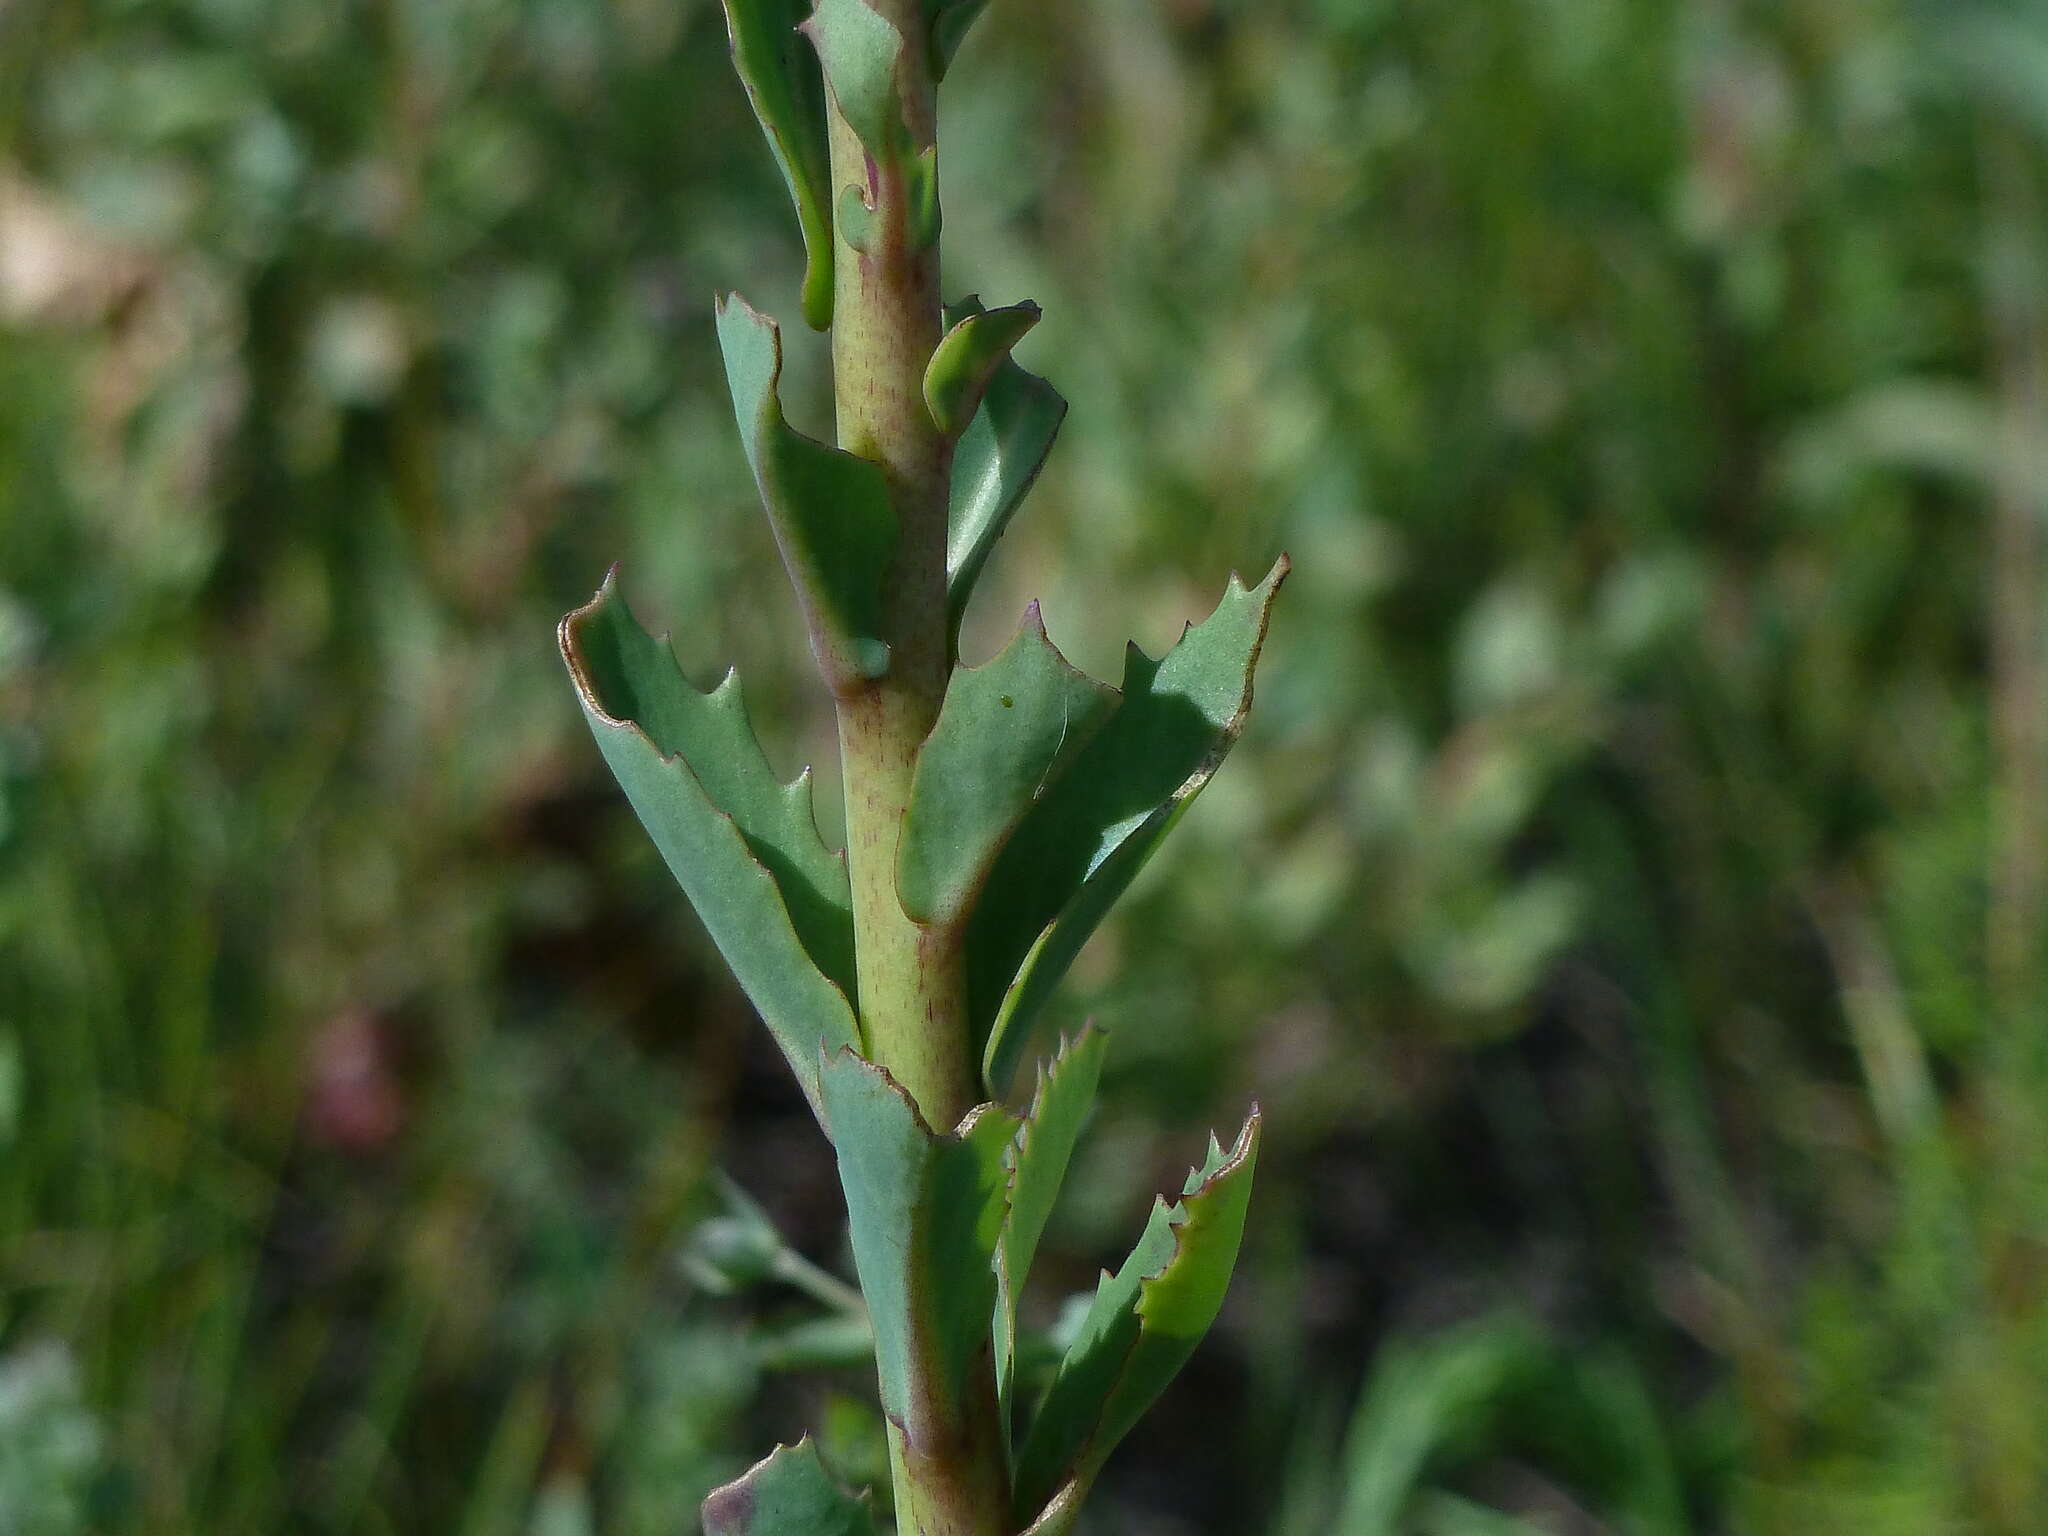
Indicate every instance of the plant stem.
{"type": "Point", "coordinates": [887, 321]}
{"type": "Point", "coordinates": [885, 326]}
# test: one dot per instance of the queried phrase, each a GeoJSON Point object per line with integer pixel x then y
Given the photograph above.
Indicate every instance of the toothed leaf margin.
{"type": "Point", "coordinates": [775, 903]}
{"type": "Point", "coordinates": [787, 1493]}
{"type": "Point", "coordinates": [1085, 841]}
{"type": "Point", "coordinates": [1145, 1322]}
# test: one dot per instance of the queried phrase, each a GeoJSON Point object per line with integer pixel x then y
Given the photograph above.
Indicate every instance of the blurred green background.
{"type": "Point", "coordinates": [1627, 903]}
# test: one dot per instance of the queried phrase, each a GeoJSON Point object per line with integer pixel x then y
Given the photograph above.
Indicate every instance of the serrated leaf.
{"type": "Point", "coordinates": [967, 357]}
{"type": "Point", "coordinates": [1005, 732]}
{"type": "Point", "coordinates": [924, 1212]}
{"type": "Point", "coordinates": [787, 1493]}
{"type": "Point", "coordinates": [949, 21]}
{"type": "Point", "coordinates": [830, 510]}
{"type": "Point", "coordinates": [861, 52]}
{"type": "Point", "coordinates": [1083, 843]}
{"type": "Point", "coordinates": [1145, 1322]}
{"type": "Point", "coordinates": [744, 848]}
{"type": "Point", "coordinates": [1037, 1161]}
{"type": "Point", "coordinates": [995, 463]}
{"type": "Point", "coordinates": [787, 91]}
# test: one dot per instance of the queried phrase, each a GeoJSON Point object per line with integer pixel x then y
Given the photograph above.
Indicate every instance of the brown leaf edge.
{"type": "Point", "coordinates": [567, 642]}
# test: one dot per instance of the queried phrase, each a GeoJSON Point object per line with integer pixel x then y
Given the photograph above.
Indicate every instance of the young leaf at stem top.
{"type": "Point", "coordinates": [1083, 843]}
{"type": "Point", "coordinates": [967, 358]}
{"type": "Point", "coordinates": [744, 848]}
{"type": "Point", "coordinates": [788, 96]}
{"type": "Point", "coordinates": [995, 463]}
{"type": "Point", "coordinates": [830, 510]}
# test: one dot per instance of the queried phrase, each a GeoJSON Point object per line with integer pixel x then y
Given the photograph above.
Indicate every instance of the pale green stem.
{"type": "Point", "coordinates": [886, 323]}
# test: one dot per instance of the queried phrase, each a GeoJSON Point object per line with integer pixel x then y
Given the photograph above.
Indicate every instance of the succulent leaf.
{"type": "Point", "coordinates": [1037, 1162]}
{"type": "Point", "coordinates": [788, 95]}
{"type": "Point", "coordinates": [830, 510]}
{"type": "Point", "coordinates": [1082, 844]}
{"type": "Point", "coordinates": [1144, 1323]}
{"type": "Point", "coordinates": [924, 1211]}
{"type": "Point", "coordinates": [1006, 731]}
{"type": "Point", "coordinates": [744, 848]}
{"type": "Point", "coordinates": [921, 199]}
{"type": "Point", "coordinates": [861, 52]}
{"type": "Point", "coordinates": [967, 358]}
{"type": "Point", "coordinates": [788, 1493]}
{"type": "Point", "coordinates": [856, 219]}
{"type": "Point", "coordinates": [995, 463]}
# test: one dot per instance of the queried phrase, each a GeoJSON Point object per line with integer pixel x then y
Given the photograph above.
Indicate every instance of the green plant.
{"type": "Point", "coordinates": [993, 814]}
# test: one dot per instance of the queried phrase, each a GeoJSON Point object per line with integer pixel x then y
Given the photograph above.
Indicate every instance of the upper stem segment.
{"type": "Point", "coordinates": [886, 324]}
{"type": "Point", "coordinates": [913, 1003]}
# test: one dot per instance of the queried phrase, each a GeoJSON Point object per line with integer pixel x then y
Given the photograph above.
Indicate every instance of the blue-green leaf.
{"type": "Point", "coordinates": [995, 463]}
{"type": "Point", "coordinates": [861, 52]}
{"type": "Point", "coordinates": [788, 95]}
{"type": "Point", "coordinates": [788, 1493]}
{"type": "Point", "coordinates": [924, 1211]}
{"type": "Point", "coordinates": [1037, 1162]}
{"type": "Point", "coordinates": [856, 219]}
{"type": "Point", "coordinates": [1084, 842]}
{"type": "Point", "coordinates": [830, 510]}
{"type": "Point", "coordinates": [1006, 731]}
{"type": "Point", "coordinates": [967, 358]}
{"type": "Point", "coordinates": [744, 847]}
{"type": "Point", "coordinates": [1144, 1323]}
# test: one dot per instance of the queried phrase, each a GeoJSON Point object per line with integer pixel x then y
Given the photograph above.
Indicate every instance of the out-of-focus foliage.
{"type": "Point", "coordinates": [1627, 904]}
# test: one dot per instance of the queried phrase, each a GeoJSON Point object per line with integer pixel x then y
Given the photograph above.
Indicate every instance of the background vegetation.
{"type": "Point", "coordinates": [1627, 904]}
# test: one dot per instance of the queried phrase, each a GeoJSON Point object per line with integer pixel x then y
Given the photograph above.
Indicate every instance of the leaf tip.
{"type": "Point", "coordinates": [787, 1473]}
{"type": "Point", "coordinates": [833, 1061]}
{"type": "Point", "coordinates": [569, 639]}
{"type": "Point", "coordinates": [730, 1507]}
{"type": "Point", "coordinates": [1245, 1147]}
{"type": "Point", "coordinates": [1268, 584]}
{"type": "Point", "coordinates": [974, 1117]}
{"type": "Point", "coordinates": [737, 309]}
